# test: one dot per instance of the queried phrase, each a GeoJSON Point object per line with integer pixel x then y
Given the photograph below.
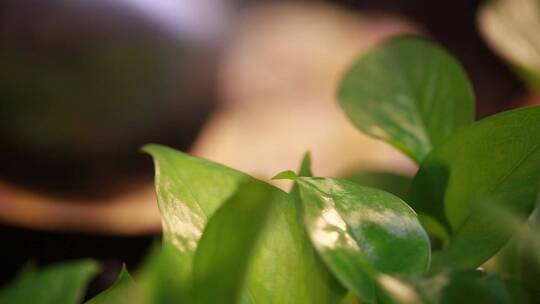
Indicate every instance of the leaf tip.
{"type": "Point", "coordinates": [305, 167]}
{"type": "Point", "coordinates": [151, 148]}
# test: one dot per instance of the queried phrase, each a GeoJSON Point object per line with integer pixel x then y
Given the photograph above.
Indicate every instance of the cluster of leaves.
{"type": "Point", "coordinates": [230, 238]}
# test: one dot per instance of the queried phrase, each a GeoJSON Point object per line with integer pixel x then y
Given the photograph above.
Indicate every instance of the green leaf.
{"type": "Point", "coordinates": [189, 190]}
{"type": "Point", "coordinates": [225, 249]}
{"type": "Point", "coordinates": [288, 174]}
{"type": "Point", "coordinates": [119, 293]}
{"type": "Point", "coordinates": [158, 280]}
{"type": "Point", "coordinates": [285, 267]}
{"type": "Point", "coordinates": [305, 166]}
{"type": "Point", "coordinates": [360, 231]}
{"type": "Point", "coordinates": [58, 284]}
{"type": "Point", "coordinates": [366, 275]}
{"type": "Point", "coordinates": [399, 185]}
{"type": "Point", "coordinates": [519, 259]}
{"type": "Point", "coordinates": [409, 92]}
{"type": "Point", "coordinates": [495, 163]}
{"type": "Point", "coordinates": [304, 170]}
{"type": "Point", "coordinates": [380, 223]}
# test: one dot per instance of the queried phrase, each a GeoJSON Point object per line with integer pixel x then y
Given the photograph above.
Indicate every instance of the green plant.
{"type": "Point", "coordinates": [230, 238]}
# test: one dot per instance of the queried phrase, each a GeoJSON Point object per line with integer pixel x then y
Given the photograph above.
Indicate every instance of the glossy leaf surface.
{"type": "Point", "coordinates": [493, 164]}
{"type": "Point", "coordinates": [379, 222]}
{"type": "Point", "coordinates": [360, 231]}
{"type": "Point", "coordinates": [340, 253]}
{"type": "Point", "coordinates": [409, 92]}
{"type": "Point", "coordinates": [285, 267]}
{"type": "Point", "coordinates": [58, 284]}
{"type": "Point", "coordinates": [225, 249]}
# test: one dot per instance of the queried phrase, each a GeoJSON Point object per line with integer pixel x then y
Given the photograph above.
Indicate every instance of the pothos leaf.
{"type": "Point", "coordinates": [493, 164]}
{"type": "Point", "coordinates": [409, 92]}
{"type": "Point", "coordinates": [360, 231]}
{"type": "Point", "coordinates": [380, 223]}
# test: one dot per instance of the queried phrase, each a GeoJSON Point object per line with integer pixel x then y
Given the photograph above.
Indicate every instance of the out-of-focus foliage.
{"type": "Point", "coordinates": [495, 161]}
{"type": "Point", "coordinates": [60, 284]}
{"type": "Point", "coordinates": [467, 286]}
{"type": "Point", "coordinates": [410, 93]}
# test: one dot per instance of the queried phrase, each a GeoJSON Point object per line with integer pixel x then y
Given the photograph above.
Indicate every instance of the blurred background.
{"type": "Point", "coordinates": [251, 84]}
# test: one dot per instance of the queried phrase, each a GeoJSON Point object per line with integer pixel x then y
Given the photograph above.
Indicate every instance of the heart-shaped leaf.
{"type": "Point", "coordinates": [408, 92]}
{"type": "Point", "coordinates": [285, 267]}
{"type": "Point", "coordinates": [58, 284]}
{"type": "Point", "coordinates": [360, 231]}
{"type": "Point", "coordinates": [493, 164]}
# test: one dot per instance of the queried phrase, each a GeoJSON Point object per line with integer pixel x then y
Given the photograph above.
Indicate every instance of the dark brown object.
{"type": "Point", "coordinates": [84, 84]}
